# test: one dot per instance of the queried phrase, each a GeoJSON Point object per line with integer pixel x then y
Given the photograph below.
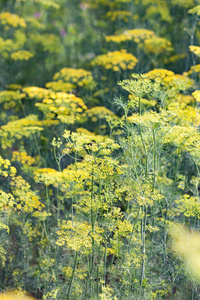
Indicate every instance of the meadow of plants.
{"type": "Point", "coordinates": [100, 149]}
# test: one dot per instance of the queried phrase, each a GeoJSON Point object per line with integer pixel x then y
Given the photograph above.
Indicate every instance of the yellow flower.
{"type": "Point", "coordinates": [136, 34]}
{"type": "Point", "coordinates": [70, 78]}
{"type": "Point", "coordinates": [21, 55]}
{"type": "Point", "coordinates": [66, 107]}
{"type": "Point", "coordinates": [156, 45]}
{"type": "Point", "coordinates": [117, 60]}
{"type": "Point", "coordinates": [195, 50]}
{"type": "Point", "coordinates": [13, 20]}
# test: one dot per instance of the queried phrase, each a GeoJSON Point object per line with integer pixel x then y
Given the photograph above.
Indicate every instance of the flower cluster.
{"type": "Point", "coordinates": [156, 45]}
{"type": "Point", "coordinates": [169, 80]}
{"type": "Point", "coordinates": [23, 158]}
{"type": "Point", "coordinates": [10, 99]}
{"type": "Point", "coordinates": [66, 107]}
{"type": "Point", "coordinates": [34, 92]}
{"type": "Point", "coordinates": [27, 200]}
{"type": "Point", "coordinates": [18, 129]}
{"type": "Point", "coordinates": [193, 70]}
{"type": "Point", "coordinates": [78, 236]}
{"type": "Point", "coordinates": [6, 169]}
{"type": "Point", "coordinates": [21, 55]}
{"type": "Point", "coordinates": [98, 112]}
{"type": "Point", "coordinates": [194, 10]}
{"type": "Point", "coordinates": [137, 35]}
{"type": "Point", "coordinates": [140, 86]}
{"type": "Point", "coordinates": [72, 78]}
{"type": "Point", "coordinates": [60, 86]}
{"type": "Point", "coordinates": [7, 46]}
{"type": "Point", "coordinates": [195, 50]}
{"type": "Point", "coordinates": [116, 61]}
{"type": "Point", "coordinates": [76, 142]}
{"type": "Point", "coordinates": [12, 20]}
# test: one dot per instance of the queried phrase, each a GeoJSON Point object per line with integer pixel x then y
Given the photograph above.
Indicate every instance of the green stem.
{"type": "Point", "coordinates": [71, 279]}
{"type": "Point", "coordinates": [154, 159]}
{"type": "Point", "coordinates": [92, 194]}
{"type": "Point", "coordinates": [58, 159]}
{"type": "Point", "coordinates": [98, 273]}
{"type": "Point", "coordinates": [143, 248]}
{"type": "Point", "coordinates": [48, 210]}
{"type": "Point", "coordinates": [176, 171]}
{"type": "Point", "coordinates": [143, 142]}
{"type": "Point", "coordinates": [171, 100]}
{"type": "Point", "coordinates": [105, 261]}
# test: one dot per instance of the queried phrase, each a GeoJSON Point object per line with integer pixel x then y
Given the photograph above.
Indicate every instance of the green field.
{"type": "Point", "coordinates": [99, 149]}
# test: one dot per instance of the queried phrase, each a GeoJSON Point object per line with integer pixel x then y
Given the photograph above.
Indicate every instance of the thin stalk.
{"type": "Point", "coordinates": [130, 240]}
{"type": "Point", "coordinates": [142, 220]}
{"type": "Point", "coordinates": [92, 192]}
{"type": "Point", "coordinates": [73, 210]}
{"type": "Point", "coordinates": [97, 282]}
{"type": "Point", "coordinates": [105, 261]}
{"type": "Point", "coordinates": [58, 159]}
{"type": "Point", "coordinates": [143, 248]}
{"type": "Point", "coordinates": [143, 142]}
{"type": "Point", "coordinates": [176, 171]}
{"type": "Point", "coordinates": [192, 43]}
{"type": "Point", "coordinates": [71, 279]}
{"type": "Point", "coordinates": [92, 221]}
{"type": "Point", "coordinates": [154, 176]}
{"type": "Point", "coordinates": [74, 193]}
{"type": "Point", "coordinates": [48, 210]}
{"type": "Point", "coordinates": [88, 282]}
{"type": "Point", "coordinates": [171, 100]}
{"type": "Point", "coordinates": [98, 273]}
{"type": "Point", "coordinates": [165, 231]}
{"type": "Point", "coordinates": [129, 142]}
{"type": "Point", "coordinates": [154, 159]}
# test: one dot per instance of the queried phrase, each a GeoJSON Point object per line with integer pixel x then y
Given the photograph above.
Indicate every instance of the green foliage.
{"type": "Point", "coordinates": [99, 198]}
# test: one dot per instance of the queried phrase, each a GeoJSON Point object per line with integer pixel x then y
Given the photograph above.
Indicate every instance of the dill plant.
{"type": "Point", "coordinates": [88, 216]}
{"type": "Point", "coordinates": [147, 131]}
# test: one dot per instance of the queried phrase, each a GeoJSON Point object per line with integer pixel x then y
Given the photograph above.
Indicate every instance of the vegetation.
{"type": "Point", "coordinates": [99, 149]}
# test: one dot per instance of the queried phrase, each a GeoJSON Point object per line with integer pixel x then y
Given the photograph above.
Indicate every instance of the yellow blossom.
{"type": "Point", "coordinates": [133, 34]}
{"type": "Point", "coordinates": [13, 20]}
{"type": "Point", "coordinates": [195, 50]}
{"type": "Point", "coordinates": [70, 78]}
{"type": "Point", "coordinates": [21, 55]}
{"type": "Point", "coordinates": [156, 45]}
{"type": "Point", "coordinates": [194, 10]}
{"type": "Point", "coordinates": [36, 92]}
{"type": "Point", "coordinates": [117, 60]}
{"type": "Point", "coordinates": [66, 107]}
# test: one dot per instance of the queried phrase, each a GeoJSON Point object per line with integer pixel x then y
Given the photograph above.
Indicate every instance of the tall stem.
{"type": "Point", "coordinates": [143, 142]}
{"type": "Point", "coordinates": [144, 220]}
{"type": "Point", "coordinates": [71, 279]}
{"type": "Point", "coordinates": [143, 247]}
{"type": "Point", "coordinates": [154, 159]}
